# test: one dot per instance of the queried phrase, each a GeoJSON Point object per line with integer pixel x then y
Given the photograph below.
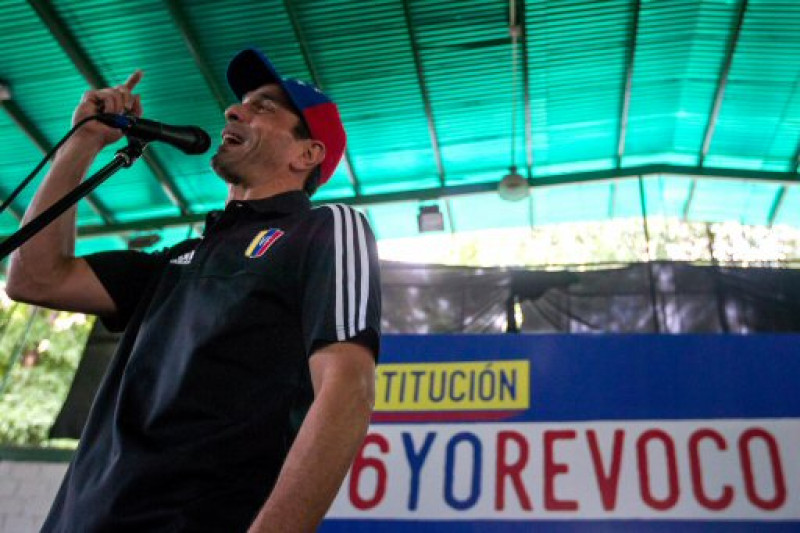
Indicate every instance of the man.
{"type": "Point", "coordinates": [228, 338]}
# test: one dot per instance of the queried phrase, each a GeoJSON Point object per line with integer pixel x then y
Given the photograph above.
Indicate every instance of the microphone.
{"type": "Point", "coordinates": [188, 139]}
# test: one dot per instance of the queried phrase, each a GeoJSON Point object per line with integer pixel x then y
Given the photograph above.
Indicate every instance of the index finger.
{"type": "Point", "coordinates": [133, 79]}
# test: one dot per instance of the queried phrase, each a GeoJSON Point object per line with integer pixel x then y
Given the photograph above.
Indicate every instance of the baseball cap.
{"type": "Point", "coordinates": [250, 69]}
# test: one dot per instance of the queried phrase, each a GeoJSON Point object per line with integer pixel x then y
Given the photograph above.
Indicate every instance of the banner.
{"type": "Point", "coordinates": [561, 433]}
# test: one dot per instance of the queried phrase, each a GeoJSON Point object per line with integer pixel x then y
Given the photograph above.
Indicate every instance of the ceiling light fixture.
{"type": "Point", "coordinates": [143, 240]}
{"type": "Point", "coordinates": [430, 219]}
{"type": "Point", "coordinates": [513, 187]}
{"type": "Point", "coordinates": [5, 91]}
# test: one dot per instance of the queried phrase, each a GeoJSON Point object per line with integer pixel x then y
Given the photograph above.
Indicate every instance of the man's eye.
{"type": "Point", "coordinates": [264, 106]}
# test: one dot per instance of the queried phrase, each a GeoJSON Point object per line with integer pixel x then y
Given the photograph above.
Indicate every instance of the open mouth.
{"type": "Point", "coordinates": [231, 139]}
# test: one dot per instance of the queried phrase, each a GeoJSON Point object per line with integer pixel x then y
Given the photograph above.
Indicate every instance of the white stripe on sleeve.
{"type": "Point", "coordinates": [337, 250]}
{"type": "Point", "coordinates": [351, 270]}
{"type": "Point", "coordinates": [364, 290]}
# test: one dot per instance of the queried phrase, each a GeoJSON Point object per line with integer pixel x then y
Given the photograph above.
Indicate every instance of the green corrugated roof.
{"type": "Point", "coordinates": [425, 91]}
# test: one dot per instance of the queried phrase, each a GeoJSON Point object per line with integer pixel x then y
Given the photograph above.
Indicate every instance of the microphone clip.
{"type": "Point", "coordinates": [129, 154]}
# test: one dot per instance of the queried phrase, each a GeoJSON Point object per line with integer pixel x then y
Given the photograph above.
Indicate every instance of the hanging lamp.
{"type": "Point", "coordinates": [513, 187]}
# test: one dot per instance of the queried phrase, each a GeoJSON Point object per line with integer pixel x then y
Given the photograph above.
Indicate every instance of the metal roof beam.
{"type": "Point", "coordinates": [301, 40]}
{"type": "Point", "coordinates": [37, 137]}
{"type": "Point", "coordinates": [777, 203]}
{"type": "Point", "coordinates": [44, 9]}
{"type": "Point", "coordinates": [490, 186]}
{"type": "Point", "coordinates": [796, 160]}
{"type": "Point", "coordinates": [687, 205]}
{"type": "Point", "coordinates": [780, 196]}
{"type": "Point", "coordinates": [193, 44]}
{"type": "Point", "coordinates": [625, 104]}
{"type": "Point", "coordinates": [526, 85]}
{"type": "Point", "coordinates": [786, 178]}
{"type": "Point", "coordinates": [612, 199]}
{"type": "Point", "coordinates": [531, 213]}
{"type": "Point", "coordinates": [426, 100]}
{"type": "Point", "coordinates": [450, 218]}
{"type": "Point", "coordinates": [722, 83]}
{"type": "Point", "coordinates": [11, 210]}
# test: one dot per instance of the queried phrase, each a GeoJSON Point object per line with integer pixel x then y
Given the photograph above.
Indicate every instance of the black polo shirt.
{"type": "Point", "coordinates": [210, 381]}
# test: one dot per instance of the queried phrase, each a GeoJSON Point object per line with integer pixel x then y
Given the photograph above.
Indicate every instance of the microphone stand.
{"type": "Point", "coordinates": [124, 158]}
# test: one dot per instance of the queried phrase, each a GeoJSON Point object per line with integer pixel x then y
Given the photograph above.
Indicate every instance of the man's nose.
{"type": "Point", "coordinates": [236, 113]}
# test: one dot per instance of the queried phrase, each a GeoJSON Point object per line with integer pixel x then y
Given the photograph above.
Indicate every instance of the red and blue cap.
{"type": "Point", "coordinates": [250, 69]}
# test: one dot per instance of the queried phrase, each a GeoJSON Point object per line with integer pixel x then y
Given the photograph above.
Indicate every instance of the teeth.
{"type": "Point", "coordinates": [228, 138]}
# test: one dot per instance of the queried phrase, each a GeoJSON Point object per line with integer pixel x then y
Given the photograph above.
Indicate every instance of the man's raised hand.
{"type": "Point", "coordinates": [115, 100]}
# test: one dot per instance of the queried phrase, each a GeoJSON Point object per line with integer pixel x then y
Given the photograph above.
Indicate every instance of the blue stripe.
{"type": "Point", "coordinates": [259, 249]}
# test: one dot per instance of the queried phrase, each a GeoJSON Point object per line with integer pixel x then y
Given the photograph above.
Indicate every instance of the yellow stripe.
{"type": "Point", "coordinates": [462, 386]}
{"type": "Point", "coordinates": [254, 243]}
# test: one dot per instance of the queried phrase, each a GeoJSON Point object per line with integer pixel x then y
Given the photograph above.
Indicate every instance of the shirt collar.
{"type": "Point", "coordinates": [284, 203]}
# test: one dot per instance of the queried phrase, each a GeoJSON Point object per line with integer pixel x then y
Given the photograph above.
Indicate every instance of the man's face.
{"type": "Point", "coordinates": [258, 139]}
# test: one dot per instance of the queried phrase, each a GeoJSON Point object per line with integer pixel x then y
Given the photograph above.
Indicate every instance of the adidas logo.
{"type": "Point", "coordinates": [183, 259]}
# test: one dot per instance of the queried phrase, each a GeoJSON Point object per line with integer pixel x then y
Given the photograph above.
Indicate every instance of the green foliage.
{"type": "Point", "coordinates": [584, 245]}
{"type": "Point", "coordinates": [39, 352]}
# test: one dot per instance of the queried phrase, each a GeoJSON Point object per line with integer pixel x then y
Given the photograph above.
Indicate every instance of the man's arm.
{"type": "Point", "coordinates": [45, 271]}
{"type": "Point", "coordinates": [343, 375]}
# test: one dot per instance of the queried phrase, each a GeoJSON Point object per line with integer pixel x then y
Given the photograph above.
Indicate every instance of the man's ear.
{"type": "Point", "coordinates": [311, 156]}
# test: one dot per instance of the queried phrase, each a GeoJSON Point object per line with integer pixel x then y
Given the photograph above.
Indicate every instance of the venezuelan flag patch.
{"type": "Point", "coordinates": [262, 242]}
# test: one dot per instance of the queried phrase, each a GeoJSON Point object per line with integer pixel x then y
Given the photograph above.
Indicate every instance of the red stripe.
{"type": "Point", "coordinates": [443, 416]}
{"type": "Point", "coordinates": [269, 242]}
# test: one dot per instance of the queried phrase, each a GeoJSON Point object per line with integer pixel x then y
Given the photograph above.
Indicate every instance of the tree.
{"type": "Point", "coordinates": [39, 352]}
